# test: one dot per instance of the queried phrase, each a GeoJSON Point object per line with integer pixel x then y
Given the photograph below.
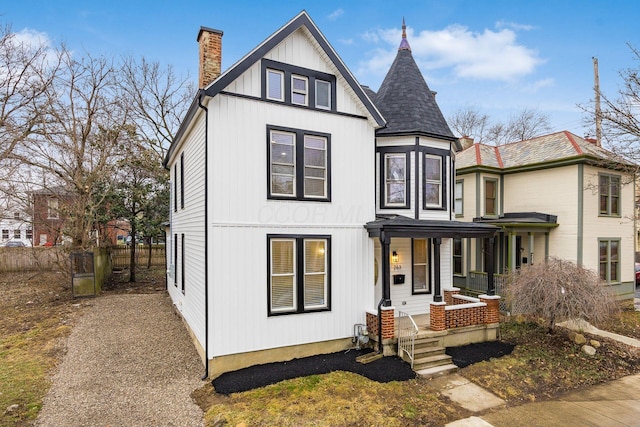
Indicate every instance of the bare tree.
{"type": "Point", "coordinates": [559, 290]}
{"type": "Point", "coordinates": [26, 70]}
{"type": "Point", "coordinates": [157, 100]}
{"type": "Point", "coordinates": [77, 140]}
{"type": "Point", "coordinates": [525, 124]}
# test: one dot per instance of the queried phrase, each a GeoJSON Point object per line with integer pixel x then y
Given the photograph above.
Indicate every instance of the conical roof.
{"type": "Point", "coordinates": [406, 102]}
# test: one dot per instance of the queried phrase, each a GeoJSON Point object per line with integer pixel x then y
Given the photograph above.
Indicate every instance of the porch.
{"type": "Point", "coordinates": [421, 340]}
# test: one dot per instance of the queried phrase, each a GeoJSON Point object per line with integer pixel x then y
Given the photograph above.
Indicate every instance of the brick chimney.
{"type": "Point", "coordinates": [210, 58]}
{"type": "Point", "coordinates": [466, 142]}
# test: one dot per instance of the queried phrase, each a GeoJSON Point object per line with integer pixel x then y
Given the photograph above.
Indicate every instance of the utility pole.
{"type": "Point", "coordinates": [596, 87]}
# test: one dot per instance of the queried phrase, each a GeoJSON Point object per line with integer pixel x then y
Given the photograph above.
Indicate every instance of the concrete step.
{"type": "Point", "coordinates": [369, 357]}
{"type": "Point", "coordinates": [426, 342]}
{"type": "Point", "coordinates": [428, 351]}
{"type": "Point", "coordinates": [429, 361]}
{"type": "Point", "coordinates": [437, 371]}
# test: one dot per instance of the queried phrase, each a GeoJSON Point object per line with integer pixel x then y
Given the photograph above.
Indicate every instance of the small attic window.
{"type": "Point", "coordinates": [299, 91]}
{"type": "Point", "coordinates": [275, 85]}
{"type": "Point", "coordinates": [323, 94]}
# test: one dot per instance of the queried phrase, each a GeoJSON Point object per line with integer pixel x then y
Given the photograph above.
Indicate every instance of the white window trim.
{"type": "Point", "coordinates": [281, 73]}
{"type": "Point", "coordinates": [438, 182]}
{"type": "Point", "coordinates": [304, 92]}
{"type": "Point", "coordinates": [325, 168]}
{"type": "Point", "coordinates": [324, 107]}
{"type": "Point", "coordinates": [459, 182]}
{"type": "Point", "coordinates": [387, 180]}
{"type": "Point", "coordinates": [323, 273]}
{"type": "Point", "coordinates": [295, 169]}
{"type": "Point", "coordinates": [294, 306]}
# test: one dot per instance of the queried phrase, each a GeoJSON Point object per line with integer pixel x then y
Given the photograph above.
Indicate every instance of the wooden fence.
{"type": "Point", "coordinates": [54, 258]}
{"type": "Point", "coordinates": [32, 259]}
{"type": "Point", "coordinates": [121, 255]}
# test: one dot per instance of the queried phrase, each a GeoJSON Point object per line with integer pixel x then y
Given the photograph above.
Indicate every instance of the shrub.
{"type": "Point", "coordinates": [559, 290]}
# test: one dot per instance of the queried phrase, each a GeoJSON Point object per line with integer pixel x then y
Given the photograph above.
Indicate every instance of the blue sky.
{"type": "Point", "coordinates": [496, 56]}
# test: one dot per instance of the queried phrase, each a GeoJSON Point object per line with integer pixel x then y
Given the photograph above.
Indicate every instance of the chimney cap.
{"type": "Point", "coordinates": [208, 30]}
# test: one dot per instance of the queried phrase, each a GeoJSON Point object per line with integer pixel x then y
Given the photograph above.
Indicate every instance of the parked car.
{"type": "Point", "coordinates": [637, 273]}
{"type": "Point", "coordinates": [14, 244]}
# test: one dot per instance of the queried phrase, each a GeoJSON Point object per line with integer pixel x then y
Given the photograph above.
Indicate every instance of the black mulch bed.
{"type": "Point", "coordinates": [473, 353]}
{"type": "Point", "coordinates": [382, 370]}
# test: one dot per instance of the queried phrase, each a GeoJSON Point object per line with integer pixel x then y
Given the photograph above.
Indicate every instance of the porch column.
{"type": "Point", "coordinates": [531, 237]}
{"type": "Point", "coordinates": [513, 249]}
{"type": "Point", "coordinates": [437, 293]}
{"type": "Point", "coordinates": [491, 288]}
{"type": "Point", "coordinates": [385, 241]}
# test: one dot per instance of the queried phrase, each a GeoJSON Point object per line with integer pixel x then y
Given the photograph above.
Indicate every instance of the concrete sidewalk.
{"type": "Point", "coordinates": [616, 403]}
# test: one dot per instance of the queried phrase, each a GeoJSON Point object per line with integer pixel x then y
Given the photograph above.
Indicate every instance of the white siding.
{"type": "Point", "coordinates": [241, 216]}
{"type": "Point", "coordinates": [190, 222]}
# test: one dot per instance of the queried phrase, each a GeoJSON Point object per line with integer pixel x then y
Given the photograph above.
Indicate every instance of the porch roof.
{"type": "Point", "coordinates": [402, 226]}
{"type": "Point", "coordinates": [521, 220]}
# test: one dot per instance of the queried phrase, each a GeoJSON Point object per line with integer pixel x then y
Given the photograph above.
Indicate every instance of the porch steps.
{"type": "Point", "coordinates": [430, 359]}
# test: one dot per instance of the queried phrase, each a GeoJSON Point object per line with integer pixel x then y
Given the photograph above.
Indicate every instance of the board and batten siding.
{"type": "Point", "coordinates": [239, 319]}
{"type": "Point", "coordinates": [190, 222]}
{"type": "Point", "coordinates": [241, 216]}
{"type": "Point", "coordinates": [301, 51]}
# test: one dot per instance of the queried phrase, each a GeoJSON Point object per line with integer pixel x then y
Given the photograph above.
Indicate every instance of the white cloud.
{"type": "Point", "coordinates": [490, 55]}
{"type": "Point", "coordinates": [32, 38]}
{"type": "Point", "coordinates": [515, 26]}
{"type": "Point", "coordinates": [346, 41]}
{"type": "Point", "coordinates": [335, 14]}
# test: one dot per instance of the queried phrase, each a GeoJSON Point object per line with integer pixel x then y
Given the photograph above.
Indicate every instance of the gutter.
{"type": "Point", "coordinates": [201, 94]}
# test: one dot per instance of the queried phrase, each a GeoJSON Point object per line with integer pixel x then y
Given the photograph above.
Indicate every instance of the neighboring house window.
{"type": "Point", "coordinates": [395, 180]}
{"type": "Point", "coordinates": [275, 85]}
{"type": "Point", "coordinates": [420, 268]}
{"type": "Point", "coordinates": [432, 171]}
{"type": "Point", "coordinates": [609, 195]}
{"type": "Point", "coordinates": [298, 164]}
{"type": "Point", "coordinates": [298, 86]}
{"type": "Point", "coordinates": [182, 181]}
{"type": "Point", "coordinates": [5, 234]}
{"type": "Point", "coordinates": [182, 264]}
{"type": "Point", "coordinates": [29, 234]}
{"type": "Point", "coordinates": [299, 90]}
{"type": "Point", "coordinates": [52, 208]}
{"type": "Point", "coordinates": [490, 197]}
{"type": "Point", "coordinates": [175, 187]}
{"type": "Point", "coordinates": [299, 274]}
{"type": "Point", "coordinates": [609, 253]}
{"type": "Point", "coordinates": [175, 260]}
{"type": "Point", "coordinates": [16, 215]}
{"type": "Point", "coordinates": [457, 257]}
{"type": "Point", "coordinates": [16, 233]}
{"type": "Point", "coordinates": [323, 95]}
{"type": "Point", "coordinates": [458, 207]}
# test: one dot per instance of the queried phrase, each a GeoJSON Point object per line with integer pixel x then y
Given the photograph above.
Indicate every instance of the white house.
{"type": "Point", "coordinates": [299, 197]}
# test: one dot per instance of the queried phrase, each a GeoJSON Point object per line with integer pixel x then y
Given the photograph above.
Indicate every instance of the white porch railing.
{"type": "Point", "coordinates": [407, 332]}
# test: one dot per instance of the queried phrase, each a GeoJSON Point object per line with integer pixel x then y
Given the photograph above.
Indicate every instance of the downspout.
{"type": "Point", "coordinates": [206, 236]}
{"type": "Point", "coordinates": [386, 285]}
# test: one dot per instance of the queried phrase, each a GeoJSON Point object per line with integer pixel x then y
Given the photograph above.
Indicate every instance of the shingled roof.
{"type": "Point", "coordinates": [405, 100]}
{"type": "Point", "coordinates": [550, 148]}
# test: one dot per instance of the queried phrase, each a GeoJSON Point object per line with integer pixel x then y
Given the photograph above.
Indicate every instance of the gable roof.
{"type": "Point", "coordinates": [300, 20]}
{"type": "Point", "coordinates": [406, 102]}
{"type": "Point", "coordinates": [552, 148]}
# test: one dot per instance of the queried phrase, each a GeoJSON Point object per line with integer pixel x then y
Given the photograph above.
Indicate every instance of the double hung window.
{"type": "Point", "coordinates": [395, 180]}
{"type": "Point", "coordinates": [299, 278]}
{"type": "Point", "coordinates": [298, 164]}
{"type": "Point", "coordinates": [609, 253]}
{"type": "Point", "coordinates": [432, 181]}
{"type": "Point", "coordinates": [609, 195]}
{"type": "Point", "coordinates": [459, 192]}
{"type": "Point", "coordinates": [490, 197]}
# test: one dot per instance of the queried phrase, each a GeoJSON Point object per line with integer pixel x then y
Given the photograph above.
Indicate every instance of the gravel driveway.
{"type": "Point", "coordinates": [130, 362]}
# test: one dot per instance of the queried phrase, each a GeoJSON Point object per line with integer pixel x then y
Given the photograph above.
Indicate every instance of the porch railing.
{"type": "Point", "coordinates": [478, 282]}
{"type": "Point", "coordinates": [407, 332]}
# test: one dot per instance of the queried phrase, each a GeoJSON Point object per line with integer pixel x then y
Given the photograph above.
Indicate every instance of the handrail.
{"type": "Point", "coordinates": [407, 332]}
